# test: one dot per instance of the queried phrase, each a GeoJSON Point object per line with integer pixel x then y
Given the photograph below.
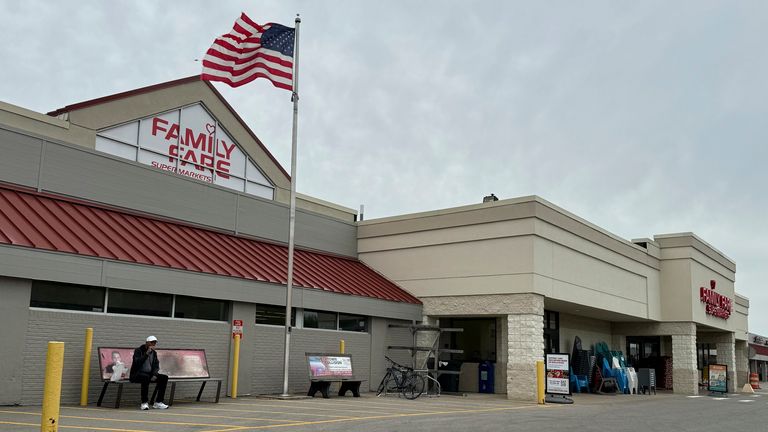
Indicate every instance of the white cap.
{"type": "Point", "coordinates": [151, 339]}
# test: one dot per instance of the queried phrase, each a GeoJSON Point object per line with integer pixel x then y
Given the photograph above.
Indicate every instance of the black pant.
{"type": "Point", "coordinates": [144, 379]}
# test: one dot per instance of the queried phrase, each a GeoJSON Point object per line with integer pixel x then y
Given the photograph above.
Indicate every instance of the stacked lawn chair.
{"type": "Point", "coordinates": [610, 365]}
{"type": "Point", "coordinates": [580, 367]}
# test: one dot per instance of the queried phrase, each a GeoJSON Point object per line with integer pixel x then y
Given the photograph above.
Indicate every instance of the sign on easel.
{"type": "Point", "coordinates": [558, 377]}
{"type": "Point", "coordinates": [718, 378]}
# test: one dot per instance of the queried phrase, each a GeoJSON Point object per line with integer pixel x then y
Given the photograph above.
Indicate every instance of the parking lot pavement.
{"type": "Point", "coordinates": [254, 413]}
{"type": "Point", "coordinates": [662, 412]}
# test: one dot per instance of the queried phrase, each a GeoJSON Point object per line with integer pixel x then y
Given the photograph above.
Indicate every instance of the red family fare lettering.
{"type": "Point", "coordinates": [717, 304]}
{"type": "Point", "coordinates": [195, 148]}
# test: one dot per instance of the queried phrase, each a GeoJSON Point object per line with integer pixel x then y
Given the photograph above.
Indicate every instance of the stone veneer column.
{"type": "Point", "coordinates": [726, 354]}
{"type": "Point", "coordinates": [685, 375]}
{"type": "Point", "coordinates": [742, 364]}
{"type": "Point", "coordinates": [525, 346]}
{"type": "Point", "coordinates": [523, 317]}
{"type": "Point", "coordinates": [502, 355]}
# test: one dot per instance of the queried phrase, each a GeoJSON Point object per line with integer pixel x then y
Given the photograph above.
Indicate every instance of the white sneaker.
{"type": "Point", "coordinates": [159, 405]}
{"type": "Point", "coordinates": [144, 406]}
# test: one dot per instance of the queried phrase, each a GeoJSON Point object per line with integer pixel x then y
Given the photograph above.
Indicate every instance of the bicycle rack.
{"type": "Point", "coordinates": [433, 352]}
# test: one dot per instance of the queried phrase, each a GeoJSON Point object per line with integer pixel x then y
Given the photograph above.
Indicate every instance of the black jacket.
{"type": "Point", "coordinates": [139, 357]}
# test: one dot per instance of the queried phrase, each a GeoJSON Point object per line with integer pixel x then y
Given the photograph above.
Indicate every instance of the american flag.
{"type": "Point", "coordinates": [251, 51]}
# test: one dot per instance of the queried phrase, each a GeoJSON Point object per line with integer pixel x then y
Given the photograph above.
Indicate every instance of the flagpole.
{"type": "Point", "coordinates": [292, 218]}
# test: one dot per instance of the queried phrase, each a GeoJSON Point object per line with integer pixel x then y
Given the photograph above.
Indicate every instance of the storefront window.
{"type": "Point", "coordinates": [356, 323]}
{"type": "Point", "coordinates": [67, 296]}
{"type": "Point", "coordinates": [706, 354]}
{"type": "Point", "coordinates": [319, 319]}
{"type": "Point", "coordinates": [139, 303]}
{"type": "Point", "coordinates": [273, 315]}
{"type": "Point", "coordinates": [200, 308]}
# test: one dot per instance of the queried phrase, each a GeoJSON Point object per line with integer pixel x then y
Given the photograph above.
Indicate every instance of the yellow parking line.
{"type": "Point", "coordinates": [383, 417]}
{"type": "Point", "coordinates": [166, 413]}
{"type": "Point", "coordinates": [268, 412]}
{"type": "Point", "coordinates": [304, 407]}
{"type": "Point", "coordinates": [361, 403]}
{"type": "Point", "coordinates": [149, 420]}
{"type": "Point", "coordinates": [74, 427]}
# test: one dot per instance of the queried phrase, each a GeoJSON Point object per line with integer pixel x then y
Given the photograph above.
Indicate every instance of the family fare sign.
{"type": "Point", "coordinates": [190, 142]}
{"type": "Point", "coordinates": [717, 304]}
{"type": "Point", "coordinates": [199, 152]}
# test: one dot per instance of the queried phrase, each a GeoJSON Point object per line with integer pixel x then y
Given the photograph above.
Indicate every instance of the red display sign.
{"type": "Point", "coordinates": [717, 304]}
{"type": "Point", "coordinates": [237, 328]}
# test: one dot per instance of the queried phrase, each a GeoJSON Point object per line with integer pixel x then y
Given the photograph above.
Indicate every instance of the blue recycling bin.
{"type": "Point", "coordinates": [485, 372]}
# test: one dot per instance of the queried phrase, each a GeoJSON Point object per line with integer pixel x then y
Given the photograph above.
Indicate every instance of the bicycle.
{"type": "Point", "coordinates": [401, 379]}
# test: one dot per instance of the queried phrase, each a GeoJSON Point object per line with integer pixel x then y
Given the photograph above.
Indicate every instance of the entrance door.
{"type": "Point", "coordinates": [641, 349]}
{"type": "Point", "coordinates": [551, 332]}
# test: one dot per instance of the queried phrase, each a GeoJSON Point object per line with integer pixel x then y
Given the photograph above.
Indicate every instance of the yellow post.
{"type": "Point", "coordinates": [540, 381]}
{"type": "Point", "coordinates": [235, 366]}
{"type": "Point", "coordinates": [54, 363]}
{"type": "Point", "coordinates": [341, 346]}
{"type": "Point", "coordinates": [86, 367]}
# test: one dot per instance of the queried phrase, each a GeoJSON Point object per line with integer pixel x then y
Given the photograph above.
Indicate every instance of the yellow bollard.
{"type": "Point", "coordinates": [341, 346]}
{"type": "Point", "coordinates": [235, 366]}
{"type": "Point", "coordinates": [540, 381]}
{"type": "Point", "coordinates": [86, 367]}
{"type": "Point", "coordinates": [54, 363]}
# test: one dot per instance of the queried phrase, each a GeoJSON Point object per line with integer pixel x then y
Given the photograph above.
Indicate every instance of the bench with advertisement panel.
{"type": "Point", "coordinates": [325, 369]}
{"type": "Point", "coordinates": [181, 365]}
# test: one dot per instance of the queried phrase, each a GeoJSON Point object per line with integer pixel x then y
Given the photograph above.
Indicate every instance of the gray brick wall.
{"type": "Point", "coordinates": [114, 331]}
{"type": "Point", "coordinates": [267, 361]}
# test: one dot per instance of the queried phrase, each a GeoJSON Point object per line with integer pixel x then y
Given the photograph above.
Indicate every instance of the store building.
{"type": "Point", "coordinates": [157, 211]}
{"type": "Point", "coordinates": [758, 356]}
{"type": "Point", "coordinates": [525, 276]}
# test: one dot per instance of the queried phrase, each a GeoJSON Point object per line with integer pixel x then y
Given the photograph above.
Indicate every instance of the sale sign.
{"type": "Point", "coordinates": [558, 374]}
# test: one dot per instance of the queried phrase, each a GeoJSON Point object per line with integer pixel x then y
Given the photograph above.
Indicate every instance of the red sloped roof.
{"type": "Point", "coordinates": [52, 223]}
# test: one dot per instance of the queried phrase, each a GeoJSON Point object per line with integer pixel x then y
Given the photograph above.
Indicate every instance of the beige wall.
{"type": "Point", "coordinates": [689, 263]}
{"type": "Point", "coordinates": [589, 330]}
{"type": "Point", "coordinates": [528, 245]}
{"type": "Point", "coordinates": [513, 246]}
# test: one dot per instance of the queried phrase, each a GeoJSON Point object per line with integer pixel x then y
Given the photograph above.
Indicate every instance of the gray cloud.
{"type": "Point", "coordinates": [641, 117]}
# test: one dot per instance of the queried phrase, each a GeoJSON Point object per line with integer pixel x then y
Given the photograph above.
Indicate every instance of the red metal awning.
{"type": "Point", "coordinates": [58, 224]}
{"type": "Point", "coordinates": [759, 349]}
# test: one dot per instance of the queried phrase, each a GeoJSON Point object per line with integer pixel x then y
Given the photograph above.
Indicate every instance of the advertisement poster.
{"type": "Point", "coordinates": [115, 363]}
{"type": "Point", "coordinates": [329, 366]}
{"type": "Point", "coordinates": [558, 376]}
{"type": "Point", "coordinates": [718, 378]}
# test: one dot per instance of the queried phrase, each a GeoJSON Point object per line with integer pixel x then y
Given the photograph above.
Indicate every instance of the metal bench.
{"type": "Point", "coordinates": [325, 369]}
{"type": "Point", "coordinates": [181, 365]}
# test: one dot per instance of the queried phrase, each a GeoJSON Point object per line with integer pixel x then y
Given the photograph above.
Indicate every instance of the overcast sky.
{"type": "Point", "coordinates": [642, 117]}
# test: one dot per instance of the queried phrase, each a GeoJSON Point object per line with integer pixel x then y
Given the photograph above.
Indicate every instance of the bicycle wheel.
{"type": "Point", "coordinates": [413, 386]}
{"type": "Point", "coordinates": [383, 384]}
